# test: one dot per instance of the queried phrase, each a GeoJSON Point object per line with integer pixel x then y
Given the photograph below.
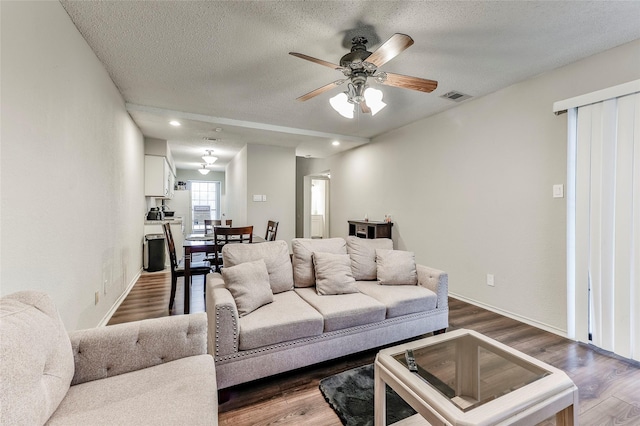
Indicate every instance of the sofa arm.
{"type": "Point", "coordinates": [436, 281]}
{"type": "Point", "coordinates": [117, 349]}
{"type": "Point", "coordinates": [222, 314]}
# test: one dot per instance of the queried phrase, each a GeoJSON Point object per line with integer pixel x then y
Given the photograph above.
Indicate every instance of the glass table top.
{"type": "Point", "coordinates": [470, 372]}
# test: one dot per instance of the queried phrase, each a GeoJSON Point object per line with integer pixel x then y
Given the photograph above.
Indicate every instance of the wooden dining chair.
{"type": "Point", "coordinates": [272, 230]}
{"type": "Point", "coordinates": [231, 235]}
{"type": "Point", "coordinates": [209, 224]}
{"type": "Point", "coordinates": [177, 268]}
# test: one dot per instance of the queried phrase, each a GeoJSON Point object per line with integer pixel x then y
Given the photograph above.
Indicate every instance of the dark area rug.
{"type": "Point", "coordinates": [350, 394]}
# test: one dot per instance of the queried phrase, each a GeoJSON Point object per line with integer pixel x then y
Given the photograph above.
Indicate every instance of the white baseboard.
{"type": "Point", "coordinates": [537, 324]}
{"type": "Point", "coordinates": [119, 301]}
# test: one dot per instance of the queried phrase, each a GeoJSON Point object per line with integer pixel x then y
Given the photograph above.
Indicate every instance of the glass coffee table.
{"type": "Point", "coordinates": [465, 378]}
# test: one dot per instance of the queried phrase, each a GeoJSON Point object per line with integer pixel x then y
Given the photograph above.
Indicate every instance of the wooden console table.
{"type": "Point", "coordinates": [370, 229]}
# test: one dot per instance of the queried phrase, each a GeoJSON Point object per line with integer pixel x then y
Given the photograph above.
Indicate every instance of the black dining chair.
{"type": "Point", "coordinates": [272, 230]}
{"type": "Point", "coordinates": [177, 268]}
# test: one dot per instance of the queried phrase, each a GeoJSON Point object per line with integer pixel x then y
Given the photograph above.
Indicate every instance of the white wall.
{"type": "Point", "coordinates": [470, 189]}
{"type": "Point", "coordinates": [236, 188]}
{"type": "Point", "coordinates": [72, 168]}
{"type": "Point", "coordinates": [272, 172]}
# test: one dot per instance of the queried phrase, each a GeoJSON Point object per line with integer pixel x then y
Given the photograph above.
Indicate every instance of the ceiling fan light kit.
{"type": "Point", "coordinates": [357, 66]}
{"type": "Point", "coordinates": [344, 103]}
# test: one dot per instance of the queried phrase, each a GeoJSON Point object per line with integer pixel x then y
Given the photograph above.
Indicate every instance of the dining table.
{"type": "Point", "coordinates": [201, 243]}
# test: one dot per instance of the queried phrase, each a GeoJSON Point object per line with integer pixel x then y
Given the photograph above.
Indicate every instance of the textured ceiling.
{"type": "Point", "coordinates": [225, 64]}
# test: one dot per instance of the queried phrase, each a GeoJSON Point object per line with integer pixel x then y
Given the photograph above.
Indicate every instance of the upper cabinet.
{"type": "Point", "coordinates": [158, 177]}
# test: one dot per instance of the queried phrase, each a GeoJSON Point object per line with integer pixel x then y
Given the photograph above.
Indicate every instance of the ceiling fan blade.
{"type": "Point", "coordinates": [407, 82]}
{"type": "Point", "coordinates": [390, 49]}
{"type": "Point", "coordinates": [317, 61]}
{"type": "Point", "coordinates": [319, 91]}
{"type": "Point", "coordinates": [365, 108]}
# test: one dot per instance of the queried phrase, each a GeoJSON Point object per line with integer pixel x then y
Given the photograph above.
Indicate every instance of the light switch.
{"type": "Point", "coordinates": [257, 198]}
{"type": "Point", "coordinates": [264, 198]}
{"type": "Point", "coordinates": [558, 191]}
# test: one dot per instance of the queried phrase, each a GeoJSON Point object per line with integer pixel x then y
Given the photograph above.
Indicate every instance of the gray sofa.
{"type": "Point", "coordinates": [151, 372]}
{"type": "Point", "coordinates": [311, 310]}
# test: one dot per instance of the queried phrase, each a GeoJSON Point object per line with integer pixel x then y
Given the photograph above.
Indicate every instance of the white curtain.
{"type": "Point", "coordinates": [605, 201]}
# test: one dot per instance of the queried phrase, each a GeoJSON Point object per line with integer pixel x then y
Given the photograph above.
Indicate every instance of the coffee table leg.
{"type": "Point", "coordinates": [566, 417]}
{"type": "Point", "coordinates": [379, 400]}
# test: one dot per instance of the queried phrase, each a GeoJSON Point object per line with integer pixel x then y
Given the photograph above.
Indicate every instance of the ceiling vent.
{"type": "Point", "coordinates": [456, 96]}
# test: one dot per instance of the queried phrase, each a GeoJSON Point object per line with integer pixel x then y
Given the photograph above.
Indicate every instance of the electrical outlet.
{"type": "Point", "coordinates": [490, 280]}
{"type": "Point", "coordinates": [97, 297]}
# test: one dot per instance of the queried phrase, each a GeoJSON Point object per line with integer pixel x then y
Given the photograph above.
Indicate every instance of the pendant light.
{"type": "Point", "coordinates": [209, 158]}
{"type": "Point", "coordinates": [204, 170]}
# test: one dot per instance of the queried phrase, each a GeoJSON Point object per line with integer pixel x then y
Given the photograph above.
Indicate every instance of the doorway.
{"type": "Point", "coordinates": [316, 205]}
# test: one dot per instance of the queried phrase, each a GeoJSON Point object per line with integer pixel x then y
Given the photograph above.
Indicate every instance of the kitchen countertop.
{"type": "Point", "coordinates": [171, 220]}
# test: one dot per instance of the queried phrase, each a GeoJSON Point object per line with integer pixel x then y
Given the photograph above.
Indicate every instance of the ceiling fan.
{"type": "Point", "coordinates": [360, 64]}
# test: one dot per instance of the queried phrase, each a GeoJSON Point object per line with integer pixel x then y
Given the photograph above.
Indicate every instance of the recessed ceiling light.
{"type": "Point", "coordinates": [335, 143]}
{"type": "Point", "coordinates": [175, 123]}
{"type": "Point", "coordinates": [218, 129]}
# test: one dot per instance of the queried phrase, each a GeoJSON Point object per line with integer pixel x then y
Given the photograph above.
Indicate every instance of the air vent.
{"type": "Point", "coordinates": [211, 139]}
{"type": "Point", "coordinates": [455, 96]}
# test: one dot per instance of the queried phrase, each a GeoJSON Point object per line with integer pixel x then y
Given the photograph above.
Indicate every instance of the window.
{"type": "Point", "coordinates": [205, 203]}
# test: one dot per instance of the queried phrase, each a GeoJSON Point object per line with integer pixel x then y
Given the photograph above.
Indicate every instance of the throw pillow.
{"type": "Point", "coordinates": [249, 285]}
{"type": "Point", "coordinates": [333, 274]}
{"type": "Point", "coordinates": [275, 255]}
{"type": "Point", "coordinates": [303, 249]}
{"type": "Point", "coordinates": [37, 359]}
{"type": "Point", "coordinates": [396, 267]}
{"type": "Point", "coordinates": [363, 255]}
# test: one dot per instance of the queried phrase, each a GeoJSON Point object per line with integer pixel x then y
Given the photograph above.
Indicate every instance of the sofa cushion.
{"type": "Point", "coordinates": [400, 299]}
{"type": "Point", "coordinates": [248, 283]}
{"type": "Point", "coordinates": [36, 364]}
{"type": "Point", "coordinates": [287, 318]}
{"type": "Point", "coordinates": [396, 267]}
{"type": "Point", "coordinates": [303, 248]}
{"type": "Point", "coordinates": [275, 255]}
{"type": "Point", "coordinates": [363, 255]}
{"type": "Point", "coordinates": [177, 392]}
{"type": "Point", "coordinates": [333, 273]}
{"type": "Point", "coordinates": [344, 310]}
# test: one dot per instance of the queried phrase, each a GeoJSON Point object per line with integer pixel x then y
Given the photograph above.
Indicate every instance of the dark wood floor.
{"type": "Point", "coordinates": [609, 386]}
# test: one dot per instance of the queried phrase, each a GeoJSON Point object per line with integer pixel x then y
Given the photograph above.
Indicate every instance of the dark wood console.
{"type": "Point", "coordinates": [370, 229]}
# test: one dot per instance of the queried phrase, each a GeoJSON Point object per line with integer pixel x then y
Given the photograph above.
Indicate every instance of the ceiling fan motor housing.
{"type": "Point", "coordinates": [358, 54]}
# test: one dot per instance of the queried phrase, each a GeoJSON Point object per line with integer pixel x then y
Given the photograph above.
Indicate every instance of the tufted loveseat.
{"type": "Point", "coordinates": [145, 372]}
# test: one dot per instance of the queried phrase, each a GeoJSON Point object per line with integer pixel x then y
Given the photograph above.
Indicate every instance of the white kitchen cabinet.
{"type": "Point", "coordinates": [158, 177]}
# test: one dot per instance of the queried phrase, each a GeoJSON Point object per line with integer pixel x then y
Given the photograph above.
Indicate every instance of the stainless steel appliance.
{"type": "Point", "coordinates": [155, 214]}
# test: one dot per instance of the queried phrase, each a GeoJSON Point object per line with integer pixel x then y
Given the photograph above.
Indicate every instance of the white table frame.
{"type": "Point", "coordinates": [528, 405]}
